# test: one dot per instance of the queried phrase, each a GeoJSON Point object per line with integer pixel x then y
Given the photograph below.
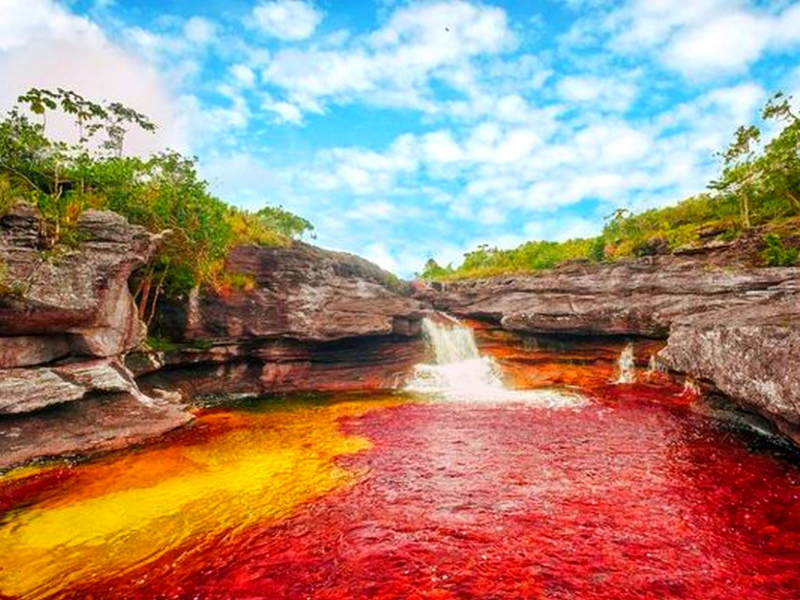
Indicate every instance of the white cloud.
{"type": "Point", "coordinates": [33, 32]}
{"type": "Point", "coordinates": [289, 20]}
{"type": "Point", "coordinates": [614, 93]}
{"type": "Point", "coordinates": [22, 23]}
{"type": "Point", "coordinates": [699, 39]}
{"type": "Point", "coordinates": [395, 64]}
{"type": "Point", "coordinates": [243, 75]}
{"type": "Point", "coordinates": [198, 30]}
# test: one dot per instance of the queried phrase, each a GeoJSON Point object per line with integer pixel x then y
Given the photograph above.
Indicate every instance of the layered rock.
{"type": "Point", "coordinates": [749, 354]}
{"type": "Point", "coordinates": [312, 320]}
{"type": "Point", "coordinates": [66, 319]}
{"type": "Point", "coordinates": [69, 301]}
{"type": "Point", "coordinates": [629, 298]}
{"type": "Point", "coordinates": [299, 292]}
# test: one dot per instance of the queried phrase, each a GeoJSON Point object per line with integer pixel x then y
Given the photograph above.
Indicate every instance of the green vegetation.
{"type": "Point", "coordinates": [162, 192]}
{"type": "Point", "coordinates": [759, 185]}
{"type": "Point", "coordinates": [776, 254]}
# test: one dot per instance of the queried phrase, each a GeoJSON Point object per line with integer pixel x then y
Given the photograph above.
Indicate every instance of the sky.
{"type": "Point", "coordinates": [417, 129]}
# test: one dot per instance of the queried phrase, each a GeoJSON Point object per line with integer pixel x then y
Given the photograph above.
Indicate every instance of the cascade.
{"type": "Point", "coordinates": [627, 365]}
{"type": "Point", "coordinates": [460, 373]}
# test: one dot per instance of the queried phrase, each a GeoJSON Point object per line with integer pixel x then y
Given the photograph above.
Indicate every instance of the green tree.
{"type": "Point", "coordinates": [739, 175]}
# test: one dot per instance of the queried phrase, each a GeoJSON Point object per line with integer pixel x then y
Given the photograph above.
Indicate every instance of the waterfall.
{"type": "Point", "coordinates": [460, 373]}
{"type": "Point", "coordinates": [627, 365]}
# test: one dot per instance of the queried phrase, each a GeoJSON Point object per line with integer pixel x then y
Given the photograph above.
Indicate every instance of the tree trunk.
{"type": "Point", "coordinates": [745, 211]}
{"type": "Point", "coordinates": [147, 283]}
{"type": "Point", "coordinates": [156, 294]}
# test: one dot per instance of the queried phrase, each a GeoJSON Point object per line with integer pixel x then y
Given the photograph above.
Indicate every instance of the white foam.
{"type": "Point", "coordinates": [461, 374]}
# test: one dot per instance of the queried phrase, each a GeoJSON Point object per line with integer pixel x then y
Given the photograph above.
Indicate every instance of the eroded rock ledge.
{"type": "Point", "coordinates": [751, 354]}
{"type": "Point", "coordinates": [66, 319]}
{"type": "Point", "coordinates": [734, 327]}
{"type": "Point", "coordinates": [314, 319]}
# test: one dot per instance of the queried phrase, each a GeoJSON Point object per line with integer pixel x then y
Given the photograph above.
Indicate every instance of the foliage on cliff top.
{"type": "Point", "coordinates": [161, 192]}
{"type": "Point", "coordinates": [758, 185]}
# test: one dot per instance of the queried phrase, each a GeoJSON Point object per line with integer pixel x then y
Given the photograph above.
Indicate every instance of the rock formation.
{"type": "Point", "coordinates": [731, 325]}
{"type": "Point", "coordinates": [750, 354]}
{"type": "Point", "coordinates": [629, 298]}
{"type": "Point", "coordinates": [66, 319]}
{"type": "Point", "coordinates": [313, 319]}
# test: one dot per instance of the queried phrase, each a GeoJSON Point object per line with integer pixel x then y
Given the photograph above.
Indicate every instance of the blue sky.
{"type": "Point", "coordinates": [405, 130]}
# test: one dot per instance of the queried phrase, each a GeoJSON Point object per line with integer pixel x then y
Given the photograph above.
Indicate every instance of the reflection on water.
{"type": "Point", "coordinates": [630, 497]}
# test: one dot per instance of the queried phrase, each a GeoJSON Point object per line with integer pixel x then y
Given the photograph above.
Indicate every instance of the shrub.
{"type": "Point", "coordinates": [776, 254]}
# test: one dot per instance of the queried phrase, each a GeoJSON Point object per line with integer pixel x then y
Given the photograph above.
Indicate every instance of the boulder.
{"type": "Point", "coordinates": [749, 354]}
{"type": "Point", "coordinates": [80, 293]}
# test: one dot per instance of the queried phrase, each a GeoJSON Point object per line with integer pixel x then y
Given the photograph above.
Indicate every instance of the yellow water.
{"type": "Point", "coordinates": [232, 470]}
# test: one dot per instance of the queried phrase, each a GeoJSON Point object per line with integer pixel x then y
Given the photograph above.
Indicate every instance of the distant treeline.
{"type": "Point", "coordinates": [161, 192]}
{"type": "Point", "coordinates": [758, 184]}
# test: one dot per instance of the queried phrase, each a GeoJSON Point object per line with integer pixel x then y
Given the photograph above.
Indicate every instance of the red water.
{"type": "Point", "coordinates": [631, 497]}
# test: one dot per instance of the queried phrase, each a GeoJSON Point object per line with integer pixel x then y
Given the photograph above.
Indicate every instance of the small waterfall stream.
{"type": "Point", "coordinates": [627, 365]}
{"type": "Point", "coordinates": [460, 373]}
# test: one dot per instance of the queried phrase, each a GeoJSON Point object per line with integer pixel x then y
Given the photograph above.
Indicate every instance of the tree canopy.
{"type": "Point", "coordinates": [162, 192]}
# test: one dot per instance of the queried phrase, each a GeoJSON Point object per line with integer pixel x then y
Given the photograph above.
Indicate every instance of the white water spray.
{"type": "Point", "coordinates": [460, 373]}
{"type": "Point", "coordinates": [627, 365]}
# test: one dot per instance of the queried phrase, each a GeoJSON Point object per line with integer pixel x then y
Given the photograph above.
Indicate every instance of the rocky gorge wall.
{"type": "Point", "coordinates": [733, 327]}
{"type": "Point", "coordinates": [76, 377]}
{"type": "Point", "coordinates": [311, 319]}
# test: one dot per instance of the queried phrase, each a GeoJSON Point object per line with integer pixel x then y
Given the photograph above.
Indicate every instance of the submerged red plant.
{"type": "Point", "coordinates": [622, 499]}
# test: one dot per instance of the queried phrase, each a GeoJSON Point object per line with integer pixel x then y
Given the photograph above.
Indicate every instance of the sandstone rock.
{"type": "Point", "coordinates": [30, 350]}
{"type": "Point", "coordinates": [631, 298]}
{"type": "Point", "coordinates": [79, 292]}
{"type": "Point", "coordinates": [750, 354]}
{"type": "Point", "coordinates": [284, 365]}
{"type": "Point", "coordinates": [25, 390]}
{"type": "Point", "coordinates": [107, 422]}
{"type": "Point", "coordinates": [302, 292]}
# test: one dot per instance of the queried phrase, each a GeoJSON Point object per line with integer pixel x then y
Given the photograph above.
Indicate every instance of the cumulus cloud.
{"type": "Point", "coordinates": [699, 39]}
{"type": "Point", "coordinates": [395, 64]}
{"type": "Point", "coordinates": [289, 20]}
{"type": "Point", "coordinates": [34, 31]}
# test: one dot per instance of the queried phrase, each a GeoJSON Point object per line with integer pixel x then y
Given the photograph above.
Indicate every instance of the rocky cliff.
{"type": "Point", "coordinates": [730, 325]}
{"type": "Point", "coordinates": [309, 319]}
{"type": "Point", "coordinates": [66, 319]}
{"type": "Point", "coordinates": [641, 297]}
{"type": "Point", "coordinates": [750, 354]}
{"type": "Point", "coordinates": [71, 339]}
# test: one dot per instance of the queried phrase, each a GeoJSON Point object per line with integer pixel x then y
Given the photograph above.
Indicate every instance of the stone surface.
{"type": "Point", "coordinates": [26, 390]}
{"type": "Point", "coordinates": [629, 298]}
{"type": "Point", "coordinates": [30, 350]}
{"type": "Point", "coordinates": [81, 293]}
{"type": "Point", "coordinates": [750, 354]}
{"type": "Point", "coordinates": [106, 422]}
{"type": "Point", "coordinates": [284, 365]}
{"type": "Point", "coordinates": [301, 292]}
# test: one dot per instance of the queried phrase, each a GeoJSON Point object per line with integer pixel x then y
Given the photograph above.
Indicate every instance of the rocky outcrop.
{"type": "Point", "coordinates": [629, 298]}
{"type": "Point", "coordinates": [730, 325]}
{"type": "Point", "coordinates": [96, 423]}
{"type": "Point", "coordinates": [309, 319]}
{"type": "Point", "coordinates": [299, 292]}
{"type": "Point", "coordinates": [66, 320]}
{"type": "Point", "coordinates": [69, 301]}
{"type": "Point", "coordinates": [749, 354]}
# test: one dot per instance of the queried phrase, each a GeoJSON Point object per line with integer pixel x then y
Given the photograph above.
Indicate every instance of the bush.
{"type": "Point", "coordinates": [776, 254]}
